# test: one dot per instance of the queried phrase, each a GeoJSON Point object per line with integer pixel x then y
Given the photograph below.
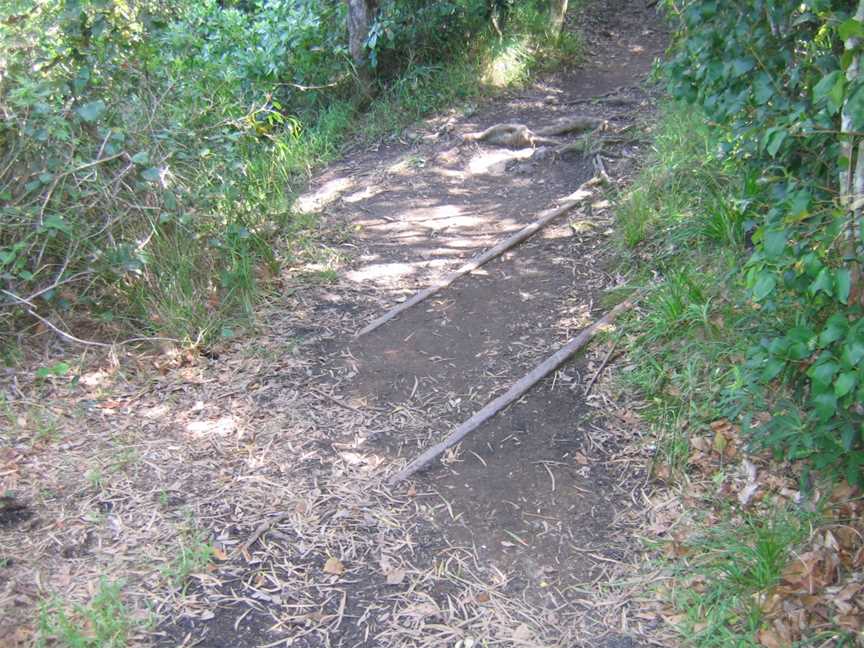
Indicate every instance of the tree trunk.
{"type": "Point", "coordinates": [852, 177]}
{"type": "Point", "coordinates": [360, 15]}
{"type": "Point", "coordinates": [557, 12]}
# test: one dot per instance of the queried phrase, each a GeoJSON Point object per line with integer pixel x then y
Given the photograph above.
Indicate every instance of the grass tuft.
{"type": "Point", "coordinates": [725, 572]}
{"type": "Point", "coordinates": [104, 622]}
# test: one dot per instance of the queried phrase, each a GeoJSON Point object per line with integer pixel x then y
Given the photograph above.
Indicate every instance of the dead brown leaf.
{"type": "Point", "coordinates": [770, 639]}
{"type": "Point", "coordinates": [395, 576]}
{"type": "Point", "coordinates": [334, 566]}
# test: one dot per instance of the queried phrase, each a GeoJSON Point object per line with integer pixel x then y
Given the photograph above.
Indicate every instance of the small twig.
{"type": "Point", "coordinates": [305, 88]}
{"type": "Point", "coordinates": [601, 169]}
{"type": "Point", "coordinates": [29, 299]}
{"type": "Point", "coordinates": [64, 334]}
{"type": "Point", "coordinates": [258, 532]}
{"type": "Point", "coordinates": [551, 476]}
{"type": "Point", "coordinates": [72, 338]}
{"type": "Point", "coordinates": [600, 368]}
{"type": "Point", "coordinates": [335, 400]}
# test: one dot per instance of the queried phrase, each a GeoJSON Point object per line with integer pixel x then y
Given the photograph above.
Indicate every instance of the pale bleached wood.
{"type": "Point", "coordinates": [515, 392]}
{"type": "Point", "coordinates": [544, 219]}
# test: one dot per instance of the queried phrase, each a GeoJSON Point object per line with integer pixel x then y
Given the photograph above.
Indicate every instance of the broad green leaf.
{"type": "Point", "coordinates": [855, 108]}
{"type": "Point", "coordinates": [824, 281]}
{"type": "Point", "coordinates": [142, 158]}
{"type": "Point", "coordinates": [823, 373]}
{"type": "Point", "coordinates": [831, 89]}
{"type": "Point", "coordinates": [92, 111]}
{"type": "Point", "coordinates": [764, 286]}
{"type": "Point", "coordinates": [849, 436]}
{"type": "Point", "coordinates": [825, 405]}
{"type": "Point", "coordinates": [798, 351]}
{"type": "Point", "coordinates": [774, 140]}
{"type": "Point", "coordinates": [763, 88]}
{"type": "Point", "coordinates": [826, 83]}
{"type": "Point", "coordinates": [742, 66]}
{"type": "Point", "coordinates": [772, 369]}
{"type": "Point", "coordinates": [774, 242]}
{"type": "Point", "coordinates": [57, 369]}
{"type": "Point", "coordinates": [850, 28]}
{"type": "Point", "coordinates": [779, 346]}
{"type": "Point", "coordinates": [151, 175]}
{"type": "Point", "coordinates": [54, 222]}
{"type": "Point", "coordinates": [845, 383]}
{"type": "Point", "coordinates": [838, 92]}
{"type": "Point", "coordinates": [853, 352]}
{"type": "Point", "coordinates": [835, 329]}
{"type": "Point", "coordinates": [803, 334]}
{"type": "Point", "coordinates": [842, 285]}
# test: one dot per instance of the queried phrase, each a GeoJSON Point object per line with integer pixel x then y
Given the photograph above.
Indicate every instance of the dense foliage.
{"type": "Point", "coordinates": [147, 148]}
{"type": "Point", "coordinates": [782, 83]}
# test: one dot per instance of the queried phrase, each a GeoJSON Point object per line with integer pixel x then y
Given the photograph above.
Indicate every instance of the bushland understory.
{"type": "Point", "coordinates": [151, 164]}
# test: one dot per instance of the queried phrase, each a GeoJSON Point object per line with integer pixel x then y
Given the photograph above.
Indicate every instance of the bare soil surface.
{"type": "Point", "coordinates": [242, 497]}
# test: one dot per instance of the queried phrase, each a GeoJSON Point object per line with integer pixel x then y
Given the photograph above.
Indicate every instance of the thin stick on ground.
{"type": "Point", "coordinates": [262, 528]}
{"type": "Point", "coordinates": [546, 217]}
{"type": "Point", "coordinates": [600, 369]}
{"type": "Point", "coordinates": [516, 391]}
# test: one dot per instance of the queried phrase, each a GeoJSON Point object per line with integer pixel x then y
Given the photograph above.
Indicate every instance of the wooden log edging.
{"type": "Point", "coordinates": [545, 217]}
{"type": "Point", "coordinates": [515, 392]}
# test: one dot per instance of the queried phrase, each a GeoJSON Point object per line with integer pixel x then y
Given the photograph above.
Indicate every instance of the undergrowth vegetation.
{"type": "Point", "coordinates": [751, 547]}
{"type": "Point", "coordinates": [756, 552]}
{"type": "Point", "coordinates": [101, 623]}
{"type": "Point", "coordinates": [149, 151]}
{"type": "Point", "coordinates": [680, 220]}
{"type": "Point", "coordinates": [782, 85]}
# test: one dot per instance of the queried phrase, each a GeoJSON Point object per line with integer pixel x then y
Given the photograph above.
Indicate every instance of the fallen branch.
{"type": "Point", "coordinates": [545, 218]}
{"type": "Point", "coordinates": [515, 392]}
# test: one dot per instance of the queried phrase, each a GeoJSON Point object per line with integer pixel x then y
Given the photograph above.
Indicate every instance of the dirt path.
{"type": "Point", "coordinates": [529, 498]}
{"type": "Point", "coordinates": [275, 452]}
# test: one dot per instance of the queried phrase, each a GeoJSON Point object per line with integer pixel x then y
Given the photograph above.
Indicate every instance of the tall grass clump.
{"type": "Point", "coordinates": [681, 227]}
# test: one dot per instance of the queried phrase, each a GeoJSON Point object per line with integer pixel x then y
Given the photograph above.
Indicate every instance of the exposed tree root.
{"type": "Point", "coordinates": [510, 135]}
{"type": "Point", "coordinates": [572, 125]}
{"type": "Point", "coordinates": [589, 144]}
{"type": "Point", "coordinates": [520, 136]}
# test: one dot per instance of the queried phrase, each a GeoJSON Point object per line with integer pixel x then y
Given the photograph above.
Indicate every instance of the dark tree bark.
{"type": "Point", "coordinates": [360, 15]}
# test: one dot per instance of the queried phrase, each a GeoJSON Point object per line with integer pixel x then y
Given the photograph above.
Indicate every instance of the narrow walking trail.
{"type": "Point", "coordinates": [500, 540]}
{"type": "Point", "coordinates": [276, 450]}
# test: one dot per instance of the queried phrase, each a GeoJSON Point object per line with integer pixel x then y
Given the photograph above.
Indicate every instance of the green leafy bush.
{"type": "Point", "coordinates": [146, 153]}
{"type": "Point", "coordinates": [783, 84]}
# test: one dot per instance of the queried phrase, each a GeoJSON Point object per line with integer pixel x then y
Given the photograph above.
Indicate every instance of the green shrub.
{"type": "Point", "coordinates": [782, 84]}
